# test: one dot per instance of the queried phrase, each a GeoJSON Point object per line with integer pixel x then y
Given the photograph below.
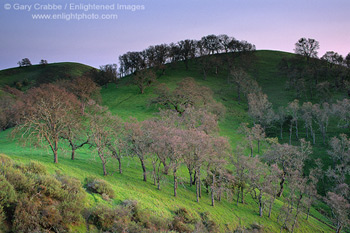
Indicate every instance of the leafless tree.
{"type": "Point", "coordinates": [47, 111]}
{"type": "Point", "coordinates": [307, 47]}
{"type": "Point", "coordinates": [143, 79]}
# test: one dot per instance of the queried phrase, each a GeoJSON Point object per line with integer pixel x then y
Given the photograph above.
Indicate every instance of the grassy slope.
{"type": "Point", "coordinates": [125, 101]}
{"type": "Point", "coordinates": [32, 73]}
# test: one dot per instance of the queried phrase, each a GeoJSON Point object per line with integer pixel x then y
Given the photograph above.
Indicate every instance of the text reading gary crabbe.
{"type": "Point", "coordinates": [72, 7]}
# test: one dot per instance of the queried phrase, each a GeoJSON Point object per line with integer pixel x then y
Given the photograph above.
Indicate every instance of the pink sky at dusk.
{"type": "Point", "coordinates": [270, 24]}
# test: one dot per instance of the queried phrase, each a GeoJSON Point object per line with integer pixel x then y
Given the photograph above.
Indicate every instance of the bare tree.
{"type": "Point", "coordinates": [187, 50]}
{"type": "Point", "coordinates": [289, 158]}
{"type": "Point", "coordinates": [260, 109]}
{"type": "Point", "coordinates": [103, 129]}
{"type": "Point", "coordinates": [342, 110]}
{"type": "Point", "coordinates": [241, 173]}
{"type": "Point", "coordinates": [340, 155]}
{"type": "Point", "coordinates": [186, 94]}
{"type": "Point", "coordinates": [143, 79]}
{"type": "Point", "coordinates": [333, 58]}
{"type": "Point", "coordinates": [24, 62]}
{"type": "Point", "coordinates": [321, 116]}
{"type": "Point", "coordinates": [257, 177]}
{"type": "Point", "coordinates": [281, 117]}
{"type": "Point", "coordinates": [340, 209]}
{"type": "Point", "coordinates": [307, 116]}
{"type": "Point", "coordinates": [241, 80]}
{"type": "Point", "coordinates": [85, 89]}
{"type": "Point", "coordinates": [47, 111]}
{"type": "Point", "coordinates": [216, 162]}
{"type": "Point", "coordinates": [293, 108]}
{"type": "Point", "coordinates": [138, 142]}
{"type": "Point", "coordinates": [307, 47]}
{"type": "Point", "coordinates": [272, 185]}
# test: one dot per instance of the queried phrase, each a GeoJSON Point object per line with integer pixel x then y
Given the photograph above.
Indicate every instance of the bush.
{"type": "Point", "coordinates": [5, 160]}
{"type": "Point", "coordinates": [105, 218]}
{"type": "Point", "coordinates": [20, 182]}
{"type": "Point", "coordinates": [99, 186]}
{"type": "Point", "coordinates": [34, 201]}
{"type": "Point", "coordinates": [36, 168]}
{"type": "Point", "coordinates": [208, 223]}
{"type": "Point", "coordinates": [49, 186]}
{"type": "Point", "coordinates": [73, 203]}
{"type": "Point", "coordinates": [183, 221]}
{"type": "Point", "coordinates": [36, 215]}
{"type": "Point", "coordinates": [7, 192]}
{"type": "Point", "coordinates": [125, 218]}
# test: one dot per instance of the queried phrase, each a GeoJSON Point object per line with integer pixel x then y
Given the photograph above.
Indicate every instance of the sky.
{"type": "Point", "coordinates": [100, 36]}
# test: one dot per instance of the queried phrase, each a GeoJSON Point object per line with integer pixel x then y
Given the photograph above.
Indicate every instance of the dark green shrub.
{"type": "Point", "coordinates": [74, 197]}
{"type": "Point", "coordinates": [20, 181]}
{"type": "Point", "coordinates": [5, 160]}
{"type": "Point", "coordinates": [36, 168]}
{"type": "Point", "coordinates": [208, 223]}
{"type": "Point", "coordinates": [7, 192]}
{"type": "Point", "coordinates": [132, 208]}
{"type": "Point", "coordinates": [183, 221]}
{"type": "Point", "coordinates": [125, 218]}
{"type": "Point", "coordinates": [105, 217]}
{"type": "Point", "coordinates": [99, 186]}
{"type": "Point", "coordinates": [43, 202]}
{"type": "Point", "coordinates": [49, 186]}
{"type": "Point", "coordinates": [36, 215]}
{"type": "Point", "coordinates": [2, 218]}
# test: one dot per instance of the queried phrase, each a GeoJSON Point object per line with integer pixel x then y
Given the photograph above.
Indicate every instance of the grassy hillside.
{"type": "Point", "coordinates": [125, 100]}
{"type": "Point", "coordinates": [30, 75]}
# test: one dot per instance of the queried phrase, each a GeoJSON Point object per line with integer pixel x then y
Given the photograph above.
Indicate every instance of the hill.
{"type": "Point", "coordinates": [23, 77]}
{"type": "Point", "coordinates": [125, 101]}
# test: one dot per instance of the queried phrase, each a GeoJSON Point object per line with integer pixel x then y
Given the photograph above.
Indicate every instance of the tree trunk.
{"type": "Point", "coordinates": [197, 191]}
{"type": "Point", "coordinates": [120, 165]}
{"type": "Point", "coordinates": [104, 168]}
{"type": "Point", "coordinates": [73, 153]}
{"type": "Point", "coordinates": [281, 131]}
{"type": "Point", "coordinates": [339, 227]}
{"type": "Point", "coordinates": [260, 206]}
{"type": "Point", "coordinates": [290, 133]}
{"type": "Point", "coordinates": [270, 207]}
{"type": "Point", "coordinates": [238, 192]}
{"type": "Point", "coordinates": [238, 94]}
{"type": "Point", "coordinates": [258, 146]}
{"type": "Point", "coordinates": [313, 136]}
{"type": "Point", "coordinates": [175, 184]}
{"type": "Point", "coordinates": [296, 129]}
{"type": "Point", "coordinates": [190, 178]}
{"type": "Point", "coordinates": [55, 151]}
{"type": "Point", "coordinates": [324, 135]}
{"type": "Point", "coordinates": [199, 183]}
{"type": "Point", "coordinates": [242, 191]}
{"type": "Point", "coordinates": [194, 178]}
{"type": "Point", "coordinates": [212, 190]}
{"type": "Point", "coordinates": [55, 156]}
{"type": "Point", "coordinates": [308, 213]}
{"type": "Point", "coordinates": [166, 168]}
{"type": "Point", "coordinates": [144, 170]}
{"type": "Point", "coordinates": [283, 179]}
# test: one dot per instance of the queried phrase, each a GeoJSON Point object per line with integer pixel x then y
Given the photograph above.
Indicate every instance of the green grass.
{"type": "Point", "coordinates": [31, 74]}
{"type": "Point", "coordinates": [126, 101]}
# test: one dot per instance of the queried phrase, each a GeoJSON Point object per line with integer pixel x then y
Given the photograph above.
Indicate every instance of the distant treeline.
{"type": "Point", "coordinates": [184, 50]}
